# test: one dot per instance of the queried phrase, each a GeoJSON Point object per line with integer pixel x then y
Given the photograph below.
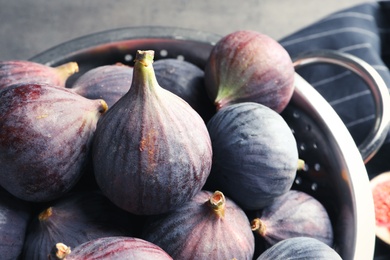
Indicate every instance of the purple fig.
{"type": "Point", "coordinates": [249, 66]}
{"type": "Point", "coordinates": [294, 214]}
{"type": "Point", "coordinates": [113, 248]}
{"type": "Point", "coordinates": [210, 226]}
{"type": "Point", "coordinates": [76, 219]}
{"type": "Point", "coordinates": [45, 138]}
{"type": "Point", "coordinates": [14, 72]}
{"type": "Point", "coordinates": [14, 217]}
{"type": "Point", "coordinates": [151, 150]}
{"type": "Point", "coordinates": [107, 82]}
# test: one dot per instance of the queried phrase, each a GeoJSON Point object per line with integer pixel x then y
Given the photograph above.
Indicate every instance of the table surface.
{"type": "Point", "coordinates": [30, 27]}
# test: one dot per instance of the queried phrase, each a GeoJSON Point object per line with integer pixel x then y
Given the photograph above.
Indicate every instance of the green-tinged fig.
{"type": "Point", "coordinates": [113, 248]}
{"type": "Point", "coordinates": [294, 214]}
{"type": "Point", "coordinates": [255, 155]}
{"type": "Point", "coordinates": [298, 248]}
{"type": "Point", "coordinates": [187, 81]}
{"type": "Point", "coordinates": [14, 217]}
{"type": "Point", "coordinates": [107, 82]}
{"type": "Point", "coordinates": [45, 138]}
{"type": "Point", "coordinates": [75, 219]}
{"type": "Point", "coordinates": [210, 226]}
{"type": "Point", "coordinates": [151, 150]}
{"type": "Point", "coordinates": [14, 72]}
{"type": "Point", "coordinates": [249, 66]}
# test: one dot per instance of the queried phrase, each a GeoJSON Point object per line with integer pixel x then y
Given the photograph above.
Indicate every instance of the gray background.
{"type": "Point", "coordinates": [28, 27]}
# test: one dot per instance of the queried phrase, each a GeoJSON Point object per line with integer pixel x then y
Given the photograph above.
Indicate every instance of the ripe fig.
{"type": "Point", "coordinates": [210, 226]}
{"type": "Point", "coordinates": [187, 81]}
{"type": "Point", "coordinates": [107, 82]}
{"type": "Point", "coordinates": [75, 219]}
{"type": "Point", "coordinates": [297, 248]}
{"type": "Point", "coordinates": [249, 66]}
{"type": "Point", "coordinates": [255, 155]}
{"type": "Point", "coordinates": [294, 214]}
{"type": "Point", "coordinates": [14, 72]}
{"type": "Point", "coordinates": [151, 150]}
{"type": "Point", "coordinates": [14, 217]}
{"type": "Point", "coordinates": [380, 186]}
{"type": "Point", "coordinates": [113, 248]}
{"type": "Point", "coordinates": [45, 138]}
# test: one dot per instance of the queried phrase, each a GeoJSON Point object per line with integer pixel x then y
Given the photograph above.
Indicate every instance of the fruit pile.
{"type": "Point", "coordinates": [158, 160]}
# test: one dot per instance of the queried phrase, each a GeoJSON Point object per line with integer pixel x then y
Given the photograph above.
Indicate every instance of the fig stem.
{"type": "Point", "coordinates": [59, 251]}
{"type": "Point", "coordinates": [144, 74]}
{"type": "Point", "coordinates": [301, 165]}
{"type": "Point", "coordinates": [67, 69]}
{"type": "Point", "coordinates": [259, 227]}
{"type": "Point", "coordinates": [44, 215]}
{"type": "Point", "coordinates": [217, 202]}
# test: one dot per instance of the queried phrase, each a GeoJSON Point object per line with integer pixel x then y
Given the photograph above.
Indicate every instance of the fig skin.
{"type": "Point", "coordinates": [294, 214]}
{"type": "Point", "coordinates": [15, 215]}
{"type": "Point", "coordinates": [210, 226]}
{"type": "Point", "coordinates": [300, 248]}
{"type": "Point", "coordinates": [151, 150]}
{"type": "Point", "coordinates": [255, 155]}
{"type": "Point", "coordinates": [13, 72]}
{"type": "Point", "coordinates": [75, 219]}
{"type": "Point", "coordinates": [45, 138]}
{"type": "Point", "coordinates": [107, 82]}
{"type": "Point", "coordinates": [187, 81]}
{"type": "Point", "coordinates": [248, 66]}
{"type": "Point", "coordinates": [113, 248]}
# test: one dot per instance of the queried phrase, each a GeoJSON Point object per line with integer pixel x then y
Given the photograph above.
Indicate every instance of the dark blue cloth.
{"type": "Point", "coordinates": [364, 31]}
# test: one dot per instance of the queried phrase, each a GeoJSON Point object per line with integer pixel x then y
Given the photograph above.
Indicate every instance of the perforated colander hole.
{"type": "Point", "coordinates": [317, 167]}
{"type": "Point", "coordinates": [180, 57]}
{"type": "Point", "coordinates": [296, 114]}
{"type": "Point", "coordinates": [164, 53]}
{"type": "Point", "coordinates": [128, 57]}
{"type": "Point", "coordinates": [302, 146]}
{"type": "Point", "coordinates": [315, 146]}
{"type": "Point", "coordinates": [314, 186]}
{"type": "Point", "coordinates": [308, 127]}
{"type": "Point", "coordinates": [298, 180]}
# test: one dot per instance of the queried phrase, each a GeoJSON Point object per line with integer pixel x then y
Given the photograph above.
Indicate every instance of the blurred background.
{"type": "Point", "coordinates": [28, 27]}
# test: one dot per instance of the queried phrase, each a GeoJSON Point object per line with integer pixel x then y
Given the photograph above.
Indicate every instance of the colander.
{"type": "Point", "coordinates": [334, 171]}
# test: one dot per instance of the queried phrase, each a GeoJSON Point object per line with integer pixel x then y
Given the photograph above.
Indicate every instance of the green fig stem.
{"type": "Point", "coordinates": [217, 202]}
{"type": "Point", "coordinates": [66, 70]}
{"type": "Point", "coordinates": [259, 227]}
{"type": "Point", "coordinates": [44, 215]}
{"type": "Point", "coordinates": [59, 251]}
{"type": "Point", "coordinates": [301, 165]}
{"type": "Point", "coordinates": [144, 71]}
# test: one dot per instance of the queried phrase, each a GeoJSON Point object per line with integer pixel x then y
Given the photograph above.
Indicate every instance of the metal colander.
{"type": "Point", "coordinates": [335, 172]}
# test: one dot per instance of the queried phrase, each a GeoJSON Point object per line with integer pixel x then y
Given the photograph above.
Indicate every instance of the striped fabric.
{"type": "Point", "coordinates": [363, 31]}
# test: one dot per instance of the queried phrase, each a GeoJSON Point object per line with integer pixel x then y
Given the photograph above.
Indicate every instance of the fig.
{"type": "Point", "coordinates": [187, 81]}
{"type": "Point", "coordinates": [293, 214]}
{"type": "Point", "coordinates": [210, 226]}
{"type": "Point", "coordinates": [14, 217]}
{"type": "Point", "coordinates": [14, 72]}
{"type": "Point", "coordinates": [113, 248]}
{"type": "Point", "coordinates": [297, 248]}
{"type": "Point", "coordinates": [380, 186]}
{"type": "Point", "coordinates": [75, 219]}
{"type": "Point", "coordinates": [151, 150]}
{"type": "Point", "coordinates": [255, 155]}
{"type": "Point", "coordinates": [249, 66]}
{"type": "Point", "coordinates": [107, 82]}
{"type": "Point", "coordinates": [45, 138]}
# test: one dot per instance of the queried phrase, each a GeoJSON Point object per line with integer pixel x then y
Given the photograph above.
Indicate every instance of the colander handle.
{"type": "Point", "coordinates": [376, 84]}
